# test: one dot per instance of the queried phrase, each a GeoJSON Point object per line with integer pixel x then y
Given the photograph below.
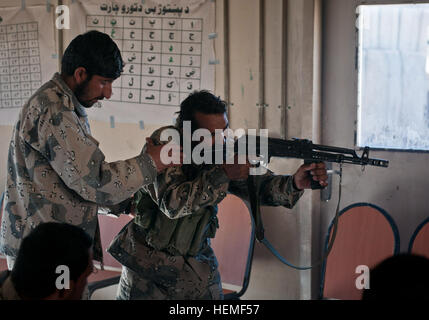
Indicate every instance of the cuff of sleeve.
{"type": "Point", "coordinates": [294, 187]}
{"type": "Point", "coordinates": [148, 168]}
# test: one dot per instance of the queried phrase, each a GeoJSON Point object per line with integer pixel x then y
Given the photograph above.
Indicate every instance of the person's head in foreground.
{"type": "Point", "coordinates": [400, 277]}
{"type": "Point", "coordinates": [51, 256]}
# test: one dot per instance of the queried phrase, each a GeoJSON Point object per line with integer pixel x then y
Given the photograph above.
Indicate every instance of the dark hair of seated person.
{"type": "Point", "coordinates": [400, 277]}
{"type": "Point", "coordinates": [45, 248]}
{"type": "Point", "coordinates": [199, 101]}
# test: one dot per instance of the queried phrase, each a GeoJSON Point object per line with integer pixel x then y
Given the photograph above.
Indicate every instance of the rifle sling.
{"type": "Point", "coordinates": [253, 187]}
{"type": "Point", "coordinates": [256, 215]}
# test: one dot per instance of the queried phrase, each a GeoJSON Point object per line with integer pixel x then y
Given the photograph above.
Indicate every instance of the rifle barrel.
{"type": "Point", "coordinates": [306, 150]}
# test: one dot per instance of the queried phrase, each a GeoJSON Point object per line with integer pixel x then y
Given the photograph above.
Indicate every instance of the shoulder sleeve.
{"type": "Point", "coordinates": [274, 190]}
{"type": "Point", "coordinates": [55, 132]}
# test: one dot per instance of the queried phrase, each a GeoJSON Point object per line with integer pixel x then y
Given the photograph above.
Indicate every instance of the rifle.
{"type": "Point", "coordinates": [299, 149]}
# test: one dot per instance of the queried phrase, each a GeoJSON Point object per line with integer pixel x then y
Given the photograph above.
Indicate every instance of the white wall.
{"type": "Point", "coordinates": [290, 231]}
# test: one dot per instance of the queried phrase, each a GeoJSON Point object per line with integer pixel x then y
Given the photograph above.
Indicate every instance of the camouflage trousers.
{"type": "Point", "coordinates": [189, 283]}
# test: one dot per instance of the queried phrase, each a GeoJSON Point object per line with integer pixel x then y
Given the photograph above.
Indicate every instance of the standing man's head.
{"type": "Point", "coordinates": [205, 111]}
{"type": "Point", "coordinates": [48, 246]}
{"type": "Point", "coordinates": [90, 64]}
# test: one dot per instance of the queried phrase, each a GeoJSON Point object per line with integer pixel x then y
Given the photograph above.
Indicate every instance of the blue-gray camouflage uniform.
{"type": "Point", "coordinates": [56, 171]}
{"type": "Point", "coordinates": [165, 251]}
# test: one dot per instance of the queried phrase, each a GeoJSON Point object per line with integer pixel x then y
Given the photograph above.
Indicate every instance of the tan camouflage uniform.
{"type": "Point", "coordinates": [56, 171]}
{"type": "Point", "coordinates": [165, 251]}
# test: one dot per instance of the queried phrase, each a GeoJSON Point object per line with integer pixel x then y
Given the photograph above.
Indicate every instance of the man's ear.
{"type": "Point", "coordinates": [80, 75]}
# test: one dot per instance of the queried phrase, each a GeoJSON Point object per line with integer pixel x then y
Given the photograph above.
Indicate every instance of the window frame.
{"type": "Point", "coordinates": [356, 70]}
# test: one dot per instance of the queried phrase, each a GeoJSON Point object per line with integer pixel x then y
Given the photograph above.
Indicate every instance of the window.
{"type": "Point", "coordinates": [393, 76]}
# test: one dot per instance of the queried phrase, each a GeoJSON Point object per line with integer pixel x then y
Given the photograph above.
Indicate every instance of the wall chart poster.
{"type": "Point", "coordinates": [166, 49]}
{"type": "Point", "coordinates": [27, 56]}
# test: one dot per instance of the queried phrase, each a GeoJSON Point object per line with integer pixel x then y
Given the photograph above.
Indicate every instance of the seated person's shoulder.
{"type": "Point", "coordinates": [7, 289]}
{"type": "Point", "coordinates": [3, 276]}
{"type": "Point", "coordinates": [46, 100]}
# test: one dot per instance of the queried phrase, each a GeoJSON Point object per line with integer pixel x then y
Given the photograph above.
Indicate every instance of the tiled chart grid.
{"type": "Point", "coordinates": [20, 68]}
{"type": "Point", "coordinates": [162, 57]}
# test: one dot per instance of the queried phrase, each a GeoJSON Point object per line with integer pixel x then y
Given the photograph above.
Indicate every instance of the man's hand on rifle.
{"type": "Point", "coordinates": [315, 171]}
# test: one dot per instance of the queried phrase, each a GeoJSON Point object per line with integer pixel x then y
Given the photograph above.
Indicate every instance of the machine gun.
{"type": "Point", "coordinates": [300, 149]}
{"type": "Point", "coordinates": [303, 149]}
{"type": "Point", "coordinates": [306, 150]}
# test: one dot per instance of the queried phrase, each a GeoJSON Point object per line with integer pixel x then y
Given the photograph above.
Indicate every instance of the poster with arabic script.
{"type": "Point", "coordinates": [28, 56]}
{"type": "Point", "coordinates": [166, 50]}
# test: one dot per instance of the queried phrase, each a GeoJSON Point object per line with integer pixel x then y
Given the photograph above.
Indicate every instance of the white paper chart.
{"type": "Point", "coordinates": [168, 50]}
{"type": "Point", "coordinates": [20, 68]}
{"type": "Point", "coordinates": [162, 57]}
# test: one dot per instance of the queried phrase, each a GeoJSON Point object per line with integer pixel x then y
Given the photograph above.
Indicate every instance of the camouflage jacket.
{"type": "Point", "coordinates": [179, 196]}
{"type": "Point", "coordinates": [56, 171]}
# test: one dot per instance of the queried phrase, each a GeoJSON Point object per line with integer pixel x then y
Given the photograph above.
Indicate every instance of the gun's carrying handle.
{"type": "Point", "coordinates": [315, 185]}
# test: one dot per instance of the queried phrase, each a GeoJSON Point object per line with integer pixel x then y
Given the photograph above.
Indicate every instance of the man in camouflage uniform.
{"type": "Point", "coordinates": [165, 251]}
{"type": "Point", "coordinates": [56, 171]}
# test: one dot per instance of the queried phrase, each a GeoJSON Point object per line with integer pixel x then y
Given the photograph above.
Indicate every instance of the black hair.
{"type": "Point", "coordinates": [96, 52]}
{"type": "Point", "coordinates": [199, 101]}
{"type": "Point", "coordinates": [400, 277]}
{"type": "Point", "coordinates": [45, 248]}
